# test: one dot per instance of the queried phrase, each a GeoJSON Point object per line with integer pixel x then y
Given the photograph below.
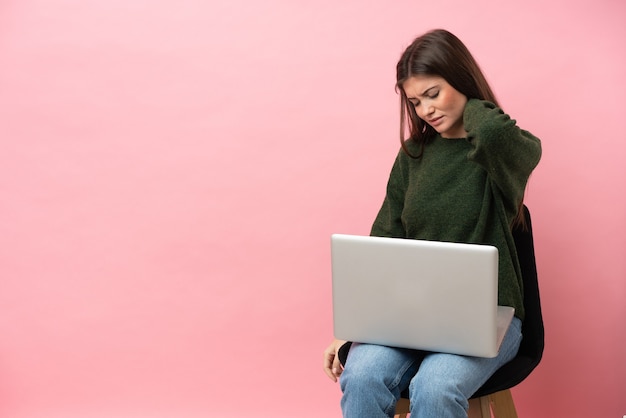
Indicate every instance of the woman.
{"type": "Point", "coordinates": [459, 177]}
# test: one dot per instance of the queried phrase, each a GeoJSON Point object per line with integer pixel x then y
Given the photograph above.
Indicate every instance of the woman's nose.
{"type": "Point", "coordinates": [428, 109]}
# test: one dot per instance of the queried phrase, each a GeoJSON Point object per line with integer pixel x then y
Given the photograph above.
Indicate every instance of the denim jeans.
{"type": "Point", "coordinates": [439, 384]}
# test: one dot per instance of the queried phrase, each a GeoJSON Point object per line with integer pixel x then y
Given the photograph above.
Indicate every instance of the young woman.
{"type": "Point", "coordinates": [460, 177]}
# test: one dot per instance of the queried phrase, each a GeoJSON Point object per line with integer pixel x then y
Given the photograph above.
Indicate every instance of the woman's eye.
{"type": "Point", "coordinates": [434, 95]}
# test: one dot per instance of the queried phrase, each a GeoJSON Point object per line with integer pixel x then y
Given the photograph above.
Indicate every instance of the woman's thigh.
{"type": "Point", "coordinates": [393, 367]}
{"type": "Point", "coordinates": [465, 373]}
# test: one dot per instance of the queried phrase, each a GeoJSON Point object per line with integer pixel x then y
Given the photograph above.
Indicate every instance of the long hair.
{"type": "Point", "coordinates": [436, 53]}
{"type": "Point", "coordinates": [439, 53]}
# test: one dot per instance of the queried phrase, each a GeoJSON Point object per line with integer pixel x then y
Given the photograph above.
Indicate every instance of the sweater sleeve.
{"type": "Point", "coordinates": [507, 153]}
{"type": "Point", "coordinates": [388, 222]}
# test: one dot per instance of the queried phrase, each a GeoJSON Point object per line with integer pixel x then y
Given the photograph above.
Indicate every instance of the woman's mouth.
{"type": "Point", "coordinates": [435, 121]}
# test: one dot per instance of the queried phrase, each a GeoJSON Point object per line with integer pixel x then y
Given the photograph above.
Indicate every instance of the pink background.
{"type": "Point", "coordinates": [170, 173]}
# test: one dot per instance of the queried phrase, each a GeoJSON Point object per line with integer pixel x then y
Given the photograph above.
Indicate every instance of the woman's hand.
{"type": "Point", "coordinates": [332, 366]}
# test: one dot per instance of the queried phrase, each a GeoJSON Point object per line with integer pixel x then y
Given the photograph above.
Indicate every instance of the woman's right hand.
{"type": "Point", "coordinates": [332, 366]}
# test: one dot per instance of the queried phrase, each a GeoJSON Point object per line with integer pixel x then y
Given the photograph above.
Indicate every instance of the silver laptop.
{"type": "Point", "coordinates": [427, 295]}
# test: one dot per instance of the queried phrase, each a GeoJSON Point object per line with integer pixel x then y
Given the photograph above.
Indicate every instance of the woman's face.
{"type": "Point", "coordinates": [437, 103]}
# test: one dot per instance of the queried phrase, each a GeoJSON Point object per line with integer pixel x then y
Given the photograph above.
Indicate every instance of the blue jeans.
{"type": "Point", "coordinates": [439, 384]}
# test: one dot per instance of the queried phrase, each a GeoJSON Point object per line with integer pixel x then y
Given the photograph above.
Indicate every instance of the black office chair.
{"type": "Point", "coordinates": [495, 394]}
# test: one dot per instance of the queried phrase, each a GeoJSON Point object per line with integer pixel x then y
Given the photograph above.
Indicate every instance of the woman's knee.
{"type": "Point", "coordinates": [437, 393]}
{"type": "Point", "coordinates": [361, 372]}
{"type": "Point", "coordinates": [374, 367]}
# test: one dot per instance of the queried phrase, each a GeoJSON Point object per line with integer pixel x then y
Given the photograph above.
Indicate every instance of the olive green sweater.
{"type": "Point", "coordinates": [465, 190]}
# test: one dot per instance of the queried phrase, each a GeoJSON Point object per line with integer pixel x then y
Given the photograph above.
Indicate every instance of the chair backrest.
{"type": "Point", "coordinates": [532, 345]}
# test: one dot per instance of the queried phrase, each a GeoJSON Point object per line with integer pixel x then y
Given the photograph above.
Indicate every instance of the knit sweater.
{"type": "Point", "coordinates": [465, 190]}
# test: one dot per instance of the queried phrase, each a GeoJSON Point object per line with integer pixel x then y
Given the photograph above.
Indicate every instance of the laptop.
{"type": "Point", "coordinates": [427, 295]}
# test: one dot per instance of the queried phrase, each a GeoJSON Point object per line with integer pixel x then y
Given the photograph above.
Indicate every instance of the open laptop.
{"type": "Point", "coordinates": [427, 295]}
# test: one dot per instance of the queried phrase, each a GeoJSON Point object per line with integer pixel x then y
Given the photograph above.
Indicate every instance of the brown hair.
{"type": "Point", "coordinates": [442, 54]}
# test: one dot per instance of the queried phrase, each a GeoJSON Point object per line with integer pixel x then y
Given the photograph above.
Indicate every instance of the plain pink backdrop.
{"type": "Point", "coordinates": [170, 173]}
